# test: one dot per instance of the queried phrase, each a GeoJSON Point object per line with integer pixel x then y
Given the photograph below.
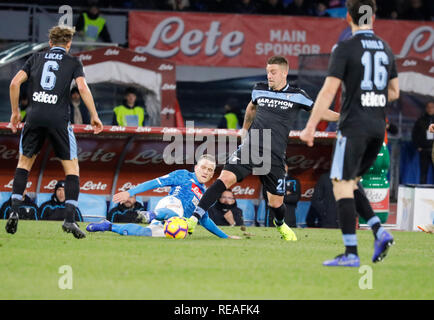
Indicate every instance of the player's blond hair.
{"type": "Point", "coordinates": [61, 35]}
{"type": "Point", "coordinates": [207, 157]}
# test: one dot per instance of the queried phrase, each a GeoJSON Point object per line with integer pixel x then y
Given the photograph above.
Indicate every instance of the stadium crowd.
{"type": "Point", "coordinates": [386, 9]}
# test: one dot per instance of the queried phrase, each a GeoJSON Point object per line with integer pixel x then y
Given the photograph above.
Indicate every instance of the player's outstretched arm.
{"type": "Point", "coordinates": [320, 109]}
{"type": "Point", "coordinates": [14, 93]}
{"type": "Point", "coordinates": [145, 186]}
{"type": "Point", "coordinates": [209, 225]}
{"type": "Point", "coordinates": [166, 180]}
{"type": "Point", "coordinates": [86, 95]}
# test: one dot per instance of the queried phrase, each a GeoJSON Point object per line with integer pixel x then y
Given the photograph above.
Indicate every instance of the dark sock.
{"type": "Point", "coordinates": [72, 187]}
{"type": "Point", "coordinates": [20, 181]}
{"type": "Point", "coordinates": [209, 198]}
{"type": "Point", "coordinates": [18, 188]}
{"type": "Point", "coordinates": [69, 212]}
{"type": "Point", "coordinates": [279, 214]}
{"type": "Point", "coordinates": [364, 209]}
{"type": "Point", "coordinates": [347, 220]}
{"type": "Point", "coordinates": [72, 190]}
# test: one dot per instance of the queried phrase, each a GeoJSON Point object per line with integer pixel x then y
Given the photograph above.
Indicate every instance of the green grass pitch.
{"type": "Point", "coordinates": [110, 266]}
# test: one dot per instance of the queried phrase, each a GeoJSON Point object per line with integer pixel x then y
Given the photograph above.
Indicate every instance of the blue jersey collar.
{"type": "Point", "coordinates": [363, 32]}
{"type": "Point", "coordinates": [283, 89]}
{"type": "Point", "coordinates": [58, 48]}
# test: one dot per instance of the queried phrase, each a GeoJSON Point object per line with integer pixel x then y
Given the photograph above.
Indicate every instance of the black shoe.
{"type": "Point", "coordinates": [12, 224]}
{"type": "Point", "coordinates": [74, 229]}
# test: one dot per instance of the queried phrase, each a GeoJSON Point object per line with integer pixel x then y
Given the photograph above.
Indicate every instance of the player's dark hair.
{"type": "Point", "coordinates": [61, 35]}
{"type": "Point", "coordinates": [278, 60]}
{"type": "Point", "coordinates": [353, 7]}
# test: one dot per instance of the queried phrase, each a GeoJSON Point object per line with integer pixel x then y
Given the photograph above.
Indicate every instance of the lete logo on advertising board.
{"type": "Point", "coordinates": [248, 40]}
{"type": "Point", "coordinates": [229, 40]}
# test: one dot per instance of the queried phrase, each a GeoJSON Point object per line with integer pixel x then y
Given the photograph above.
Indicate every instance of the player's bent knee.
{"type": "Point", "coordinates": [25, 162]}
{"type": "Point", "coordinates": [275, 201]}
{"type": "Point", "coordinates": [343, 189]}
{"type": "Point", "coordinates": [228, 178]}
{"type": "Point", "coordinates": [71, 167]}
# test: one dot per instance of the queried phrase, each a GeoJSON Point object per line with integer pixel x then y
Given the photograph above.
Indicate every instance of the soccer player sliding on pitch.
{"type": "Point", "coordinates": [366, 66]}
{"type": "Point", "coordinates": [187, 189]}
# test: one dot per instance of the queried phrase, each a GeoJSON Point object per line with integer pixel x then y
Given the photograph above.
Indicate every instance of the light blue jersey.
{"type": "Point", "coordinates": [185, 187]}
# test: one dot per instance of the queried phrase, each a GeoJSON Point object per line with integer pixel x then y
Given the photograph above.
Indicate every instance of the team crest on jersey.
{"type": "Point", "coordinates": [196, 190]}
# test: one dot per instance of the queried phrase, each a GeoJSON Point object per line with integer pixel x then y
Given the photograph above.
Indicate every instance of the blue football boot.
{"type": "Point", "coordinates": [382, 245]}
{"type": "Point", "coordinates": [343, 260]}
{"type": "Point", "coordinates": [102, 226]}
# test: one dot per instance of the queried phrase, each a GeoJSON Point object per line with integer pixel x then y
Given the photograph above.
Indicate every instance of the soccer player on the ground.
{"type": "Point", "coordinates": [50, 75]}
{"type": "Point", "coordinates": [187, 189]}
{"type": "Point", "coordinates": [366, 66]}
{"type": "Point", "coordinates": [274, 107]}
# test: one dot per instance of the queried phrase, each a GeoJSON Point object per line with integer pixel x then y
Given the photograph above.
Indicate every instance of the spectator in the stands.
{"type": "Point", "coordinates": [335, 3]}
{"type": "Point", "coordinates": [271, 7]}
{"type": "Point", "coordinates": [54, 209]}
{"type": "Point", "coordinates": [128, 113]}
{"type": "Point", "coordinates": [423, 140]}
{"type": "Point", "coordinates": [246, 7]}
{"type": "Point", "coordinates": [221, 6]}
{"type": "Point", "coordinates": [27, 211]}
{"type": "Point", "coordinates": [387, 9]}
{"type": "Point", "coordinates": [127, 212]}
{"type": "Point", "coordinates": [298, 8]}
{"type": "Point", "coordinates": [322, 211]}
{"type": "Point", "coordinates": [321, 9]}
{"type": "Point", "coordinates": [78, 112]}
{"type": "Point", "coordinates": [178, 5]}
{"type": "Point", "coordinates": [230, 119]}
{"type": "Point", "coordinates": [225, 211]}
{"type": "Point", "coordinates": [91, 26]}
{"type": "Point", "coordinates": [416, 10]}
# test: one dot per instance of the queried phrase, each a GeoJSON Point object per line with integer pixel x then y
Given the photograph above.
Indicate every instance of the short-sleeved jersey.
{"type": "Point", "coordinates": [365, 63]}
{"type": "Point", "coordinates": [50, 74]}
{"type": "Point", "coordinates": [277, 110]}
{"type": "Point", "coordinates": [185, 187]}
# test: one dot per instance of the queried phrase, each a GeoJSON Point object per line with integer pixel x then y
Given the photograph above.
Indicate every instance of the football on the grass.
{"type": "Point", "coordinates": [176, 228]}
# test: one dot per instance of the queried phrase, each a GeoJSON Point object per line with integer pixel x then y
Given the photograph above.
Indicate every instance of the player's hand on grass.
{"type": "Point", "coordinates": [96, 124]}
{"type": "Point", "coordinates": [15, 121]}
{"type": "Point", "coordinates": [121, 197]}
{"type": "Point", "coordinates": [308, 135]}
{"type": "Point", "coordinates": [234, 237]}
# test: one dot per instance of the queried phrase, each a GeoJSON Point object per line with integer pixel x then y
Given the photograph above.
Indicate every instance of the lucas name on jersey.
{"type": "Point", "coordinates": [53, 56]}
{"type": "Point", "coordinates": [274, 103]}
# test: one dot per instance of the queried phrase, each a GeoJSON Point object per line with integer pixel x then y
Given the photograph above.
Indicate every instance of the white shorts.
{"type": "Point", "coordinates": [168, 202]}
{"type": "Point", "coordinates": [172, 203]}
